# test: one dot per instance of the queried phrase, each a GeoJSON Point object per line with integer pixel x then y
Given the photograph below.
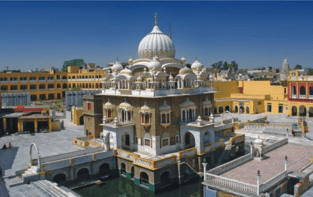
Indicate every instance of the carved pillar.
{"type": "Point", "coordinates": [36, 125]}
{"type": "Point", "coordinates": [4, 124]}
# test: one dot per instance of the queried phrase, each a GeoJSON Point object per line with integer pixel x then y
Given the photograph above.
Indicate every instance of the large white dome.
{"type": "Point", "coordinates": [156, 43]}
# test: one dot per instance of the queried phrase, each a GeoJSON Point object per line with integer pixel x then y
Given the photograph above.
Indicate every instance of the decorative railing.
{"type": "Point", "coordinates": [275, 145]}
{"type": "Point", "coordinates": [126, 154]}
{"type": "Point", "coordinates": [234, 184]}
{"type": "Point", "coordinates": [165, 161]}
{"type": "Point", "coordinates": [144, 162]}
{"type": "Point", "coordinates": [230, 165]}
{"type": "Point", "coordinates": [188, 152]}
{"type": "Point", "coordinates": [302, 96]}
{"type": "Point", "coordinates": [273, 181]}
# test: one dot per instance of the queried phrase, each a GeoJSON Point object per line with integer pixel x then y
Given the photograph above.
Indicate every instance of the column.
{"type": "Point", "coordinates": [4, 124]}
{"type": "Point", "coordinates": [181, 115]}
{"type": "Point", "coordinates": [50, 125]}
{"type": "Point", "coordinates": [307, 90]}
{"type": "Point", "coordinates": [161, 117]}
{"type": "Point", "coordinates": [36, 125]}
{"type": "Point", "coordinates": [204, 170]}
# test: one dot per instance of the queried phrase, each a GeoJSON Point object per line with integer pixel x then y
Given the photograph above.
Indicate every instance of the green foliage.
{"type": "Point", "coordinates": [261, 79]}
{"type": "Point", "coordinates": [225, 66]}
{"type": "Point", "coordinates": [310, 72]}
{"type": "Point", "coordinates": [298, 66]}
{"type": "Point", "coordinates": [74, 62]}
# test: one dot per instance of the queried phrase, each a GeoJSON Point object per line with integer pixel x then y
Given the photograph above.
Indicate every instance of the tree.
{"type": "Point", "coordinates": [233, 66]}
{"type": "Point", "coordinates": [298, 66]}
{"type": "Point", "coordinates": [74, 62]}
{"type": "Point", "coordinates": [225, 66]}
{"type": "Point", "coordinates": [310, 72]}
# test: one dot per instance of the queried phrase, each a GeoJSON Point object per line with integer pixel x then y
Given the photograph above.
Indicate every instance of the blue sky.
{"type": "Point", "coordinates": [45, 34]}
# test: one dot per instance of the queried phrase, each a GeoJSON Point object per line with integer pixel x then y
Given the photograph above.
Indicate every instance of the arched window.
{"type": "Point", "coordinates": [123, 168]}
{"type": "Point", "coordinates": [302, 90]}
{"type": "Point", "coordinates": [147, 140]}
{"type": "Point", "coordinates": [144, 178]}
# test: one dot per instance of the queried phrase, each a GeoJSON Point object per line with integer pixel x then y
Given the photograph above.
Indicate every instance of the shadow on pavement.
{"type": "Point", "coordinates": [7, 157]}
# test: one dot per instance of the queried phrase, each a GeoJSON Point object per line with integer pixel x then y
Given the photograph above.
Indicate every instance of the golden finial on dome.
{"type": "Point", "coordinates": [155, 19]}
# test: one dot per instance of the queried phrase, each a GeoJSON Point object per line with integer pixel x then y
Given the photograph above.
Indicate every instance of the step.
{"type": "Point", "coordinates": [14, 182]}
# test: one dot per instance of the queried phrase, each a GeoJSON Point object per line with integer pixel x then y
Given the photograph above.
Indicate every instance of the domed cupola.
{"type": "Point", "coordinates": [185, 70]}
{"type": "Point", "coordinates": [126, 71]}
{"type": "Point", "coordinates": [117, 66]}
{"type": "Point", "coordinates": [155, 64]}
{"type": "Point", "coordinates": [130, 61]}
{"type": "Point", "coordinates": [156, 43]}
{"type": "Point", "coordinates": [196, 65]}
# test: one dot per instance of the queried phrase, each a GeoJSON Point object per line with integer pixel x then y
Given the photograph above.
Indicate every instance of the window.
{"type": "Point", "coordinates": [89, 106]}
{"type": "Point", "coordinates": [280, 108]}
{"type": "Point", "coordinates": [269, 107]}
{"type": "Point", "coordinates": [177, 138]}
{"type": "Point", "coordinates": [165, 141]}
{"type": "Point", "coordinates": [284, 90]}
{"type": "Point", "coordinates": [147, 142]}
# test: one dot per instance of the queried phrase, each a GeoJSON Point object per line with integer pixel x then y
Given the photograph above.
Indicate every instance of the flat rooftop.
{"type": "Point", "coordinates": [274, 163]}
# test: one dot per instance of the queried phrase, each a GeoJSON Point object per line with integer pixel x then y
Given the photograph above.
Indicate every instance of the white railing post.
{"type": "Point", "coordinates": [204, 170]}
{"type": "Point", "coordinates": [286, 162]}
{"type": "Point", "coordinates": [258, 177]}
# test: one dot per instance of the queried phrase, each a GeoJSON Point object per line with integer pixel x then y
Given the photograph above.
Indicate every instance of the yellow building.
{"type": "Point", "coordinates": [251, 97]}
{"type": "Point", "coordinates": [52, 84]}
{"type": "Point", "coordinates": [77, 115]}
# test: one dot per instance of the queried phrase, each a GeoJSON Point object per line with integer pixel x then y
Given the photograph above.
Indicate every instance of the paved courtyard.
{"type": "Point", "coordinates": [274, 163]}
{"type": "Point", "coordinates": [53, 143]}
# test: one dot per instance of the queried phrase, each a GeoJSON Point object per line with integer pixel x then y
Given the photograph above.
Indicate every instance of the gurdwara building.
{"type": "Point", "coordinates": [156, 114]}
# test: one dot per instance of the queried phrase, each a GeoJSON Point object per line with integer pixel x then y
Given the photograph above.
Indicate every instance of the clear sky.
{"type": "Point", "coordinates": [45, 34]}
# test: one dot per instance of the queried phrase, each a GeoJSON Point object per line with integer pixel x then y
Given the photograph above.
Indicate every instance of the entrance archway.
{"type": "Point", "coordinates": [83, 174]}
{"type": "Point", "coordinates": [104, 169]}
{"type": "Point", "coordinates": [311, 112]}
{"type": "Point", "coordinates": [220, 109]}
{"type": "Point", "coordinates": [294, 111]}
{"type": "Point", "coordinates": [144, 178]}
{"type": "Point", "coordinates": [126, 141]}
{"type": "Point", "coordinates": [189, 140]}
{"type": "Point", "coordinates": [236, 109]}
{"type": "Point", "coordinates": [302, 110]}
{"type": "Point", "coordinates": [165, 178]}
{"type": "Point", "coordinates": [242, 109]}
{"type": "Point", "coordinates": [81, 120]}
{"type": "Point", "coordinates": [59, 178]}
{"type": "Point", "coordinates": [247, 110]}
{"type": "Point", "coordinates": [227, 108]}
{"type": "Point", "coordinates": [38, 155]}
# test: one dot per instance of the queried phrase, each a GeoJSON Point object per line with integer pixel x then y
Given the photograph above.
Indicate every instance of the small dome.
{"type": "Point", "coordinates": [185, 70]}
{"type": "Point", "coordinates": [155, 64]}
{"type": "Point", "coordinates": [171, 78]}
{"type": "Point", "coordinates": [126, 71]}
{"type": "Point", "coordinates": [130, 61]}
{"type": "Point", "coordinates": [258, 141]}
{"type": "Point", "coordinates": [145, 109]}
{"type": "Point", "coordinates": [183, 60]}
{"type": "Point", "coordinates": [196, 65]}
{"type": "Point", "coordinates": [117, 66]}
{"type": "Point", "coordinates": [139, 78]}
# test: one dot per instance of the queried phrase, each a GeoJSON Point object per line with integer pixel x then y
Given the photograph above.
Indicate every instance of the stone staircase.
{"type": "Point", "coordinates": [225, 153]}
{"type": "Point", "coordinates": [30, 175]}
{"type": "Point", "coordinates": [50, 189]}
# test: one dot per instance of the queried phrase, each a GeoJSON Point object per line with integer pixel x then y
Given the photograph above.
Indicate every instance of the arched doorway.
{"type": "Point", "coordinates": [38, 155]}
{"type": "Point", "coordinates": [311, 112]}
{"type": "Point", "coordinates": [189, 140]}
{"type": "Point", "coordinates": [132, 172]}
{"type": "Point", "coordinates": [242, 109]}
{"type": "Point", "coordinates": [247, 110]}
{"type": "Point", "coordinates": [294, 111]}
{"type": "Point", "coordinates": [220, 109]}
{"type": "Point", "coordinates": [302, 110]}
{"type": "Point", "coordinates": [126, 141]}
{"type": "Point", "coordinates": [59, 178]}
{"type": "Point", "coordinates": [104, 169]}
{"type": "Point", "coordinates": [83, 174]}
{"type": "Point", "coordinates": [227, 108]}
{"type": "Point", "coordinates": [81, 120]}
{"type": "Point", "coordinates": [257, 110]}
{"type": "Point", "coordinates": [123, 168]}
{"type": "Point", "coordinates": [236, 109]}
{"type": "Point", "coordinates": [144, 178]}
{"type": "Point", "coordinates": [165, 178]}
